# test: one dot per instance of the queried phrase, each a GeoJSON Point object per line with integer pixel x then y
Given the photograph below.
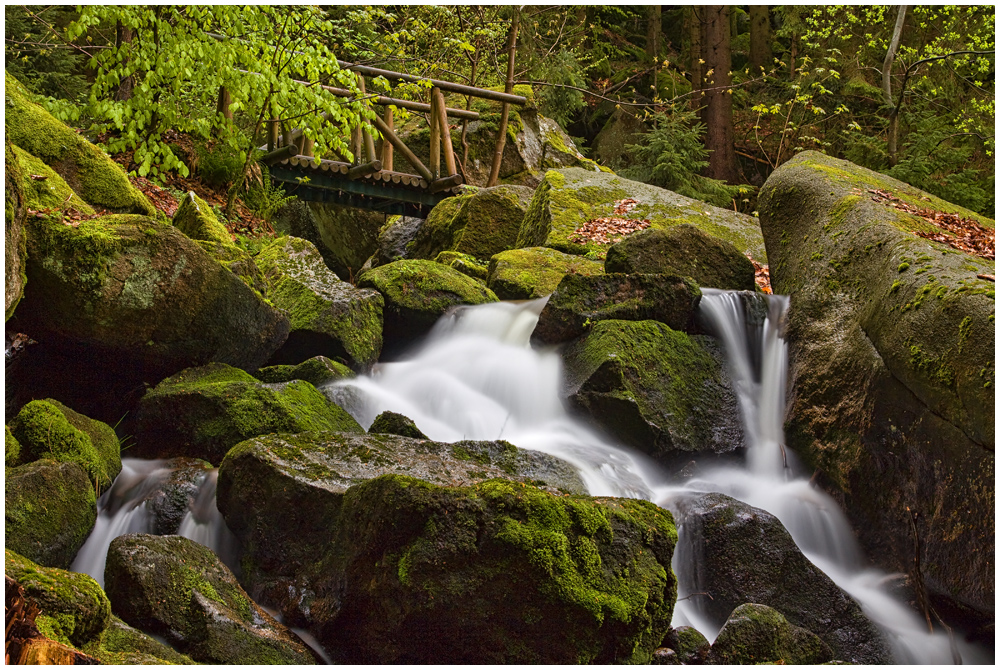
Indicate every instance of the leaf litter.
{"type": "Point", "coordinates": [964, 234]}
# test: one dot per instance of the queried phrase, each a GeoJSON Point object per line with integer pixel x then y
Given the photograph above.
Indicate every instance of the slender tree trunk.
{"type": "Point", "coordinates": [890, 55]}
{"type": "Point", "coordinates": [760, 39]}
{"type": "Point", "coordinates": [505, 114]}
{"type": "Point", "coordinates": [719, 108]}
{"type": "Point", "coordinates": [123, 36]}
{"type": "Point", "coordinates": [653, 30]}
{"type": "Point", "coordinates": [695, 27]}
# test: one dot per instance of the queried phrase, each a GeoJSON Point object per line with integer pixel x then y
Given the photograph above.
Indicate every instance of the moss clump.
{"type": "Point", "coordinates": [396, 424]}
{"type": "Point", "coordinates": [15, 240]}
{"type": "Point", "coordinates": [202, 412]}
{"type": "Point", "coordinates": [49, 429]}
{"type": "Point", "coordinates": [89, 171]}
{"type": "Point", "coordinates": [12, 448]}
{"type": "Point", "coordinates": [903, 267]}
{"type": "Point", "coordinates": [318, 371]}
{"type": "Point", "coordinates": [46, 189]}
{"type": "Point", "coordinates": [757, 634]}
{"type": "Point", "coordinates": [464, 263]}
{"type": "Point", "coordinates": [76, 603]}
{"type": "Point", "coordinates": [120, 644]}
{"type": "Point", "coordinates": [535, 272]}
{"type": "Point", "coordinates": [196, 219]}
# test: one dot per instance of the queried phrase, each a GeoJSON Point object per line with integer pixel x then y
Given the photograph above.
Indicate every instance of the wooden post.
{"type": "Point", "coordinates": [505, 114]}
{"type": "Point", "coordinates": [356, 144]}
{"type": "Point", "coordinates": [308, 146]}
{"type": "Point", "coordinates": [435, 134]}
{"type": "Point", "coordinates": [404, 150]}
{"type": "Point", "coordinates": [365, 135]}
{"type": "Point", "coordinates": [286, 135]}
{"type": "Point", "coordinates": [272, 134]}
{"type": "Point", "coordinates": [386, 144]}
{"type": "Point", "coordinates": [449, 152]}
{"type": "Point", "coordinates": [222, 107]}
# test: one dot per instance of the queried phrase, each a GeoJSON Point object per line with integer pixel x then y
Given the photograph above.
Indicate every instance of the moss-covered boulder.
{"type": "Point", "coordinates": [195, 218]}
{"type": "Point", "coordinates": [417, 293]}
{"type": "Point", "coordinates": [120, 644]}
{"type": "Point", "coordinates": [203, 412]}
{"type": "Point", "coordinates": [685, 250]}
{"type": "Point", "coordinates": [318, 370]}
{"type": "Point", "coordinates": [395, 238]}
{"type": "Point", "coordinates": [535, 272]}
{"type": "Point", "coordinates": [499, 572]}
{"type": "Point", "coordinates": [178, 483]}
{"type": "Point", "coordinates": [89, 171]}
{"type": "Point", "coordinates": [141, 294]}
{"type": "Point", "coordinates": [568, 198]}
{"type": "Point", "coordinates": [756, 634]}
{"type": "Point", "coordinates": [45, 189]}
{"type": "Point", "coordinates": [660, 390]}
{"type": "Point", "coordinates": [344, 236]}
{"type": "Point", "coordinates": [12, 448]}
{"type": "Point", "coordinates": [279, 494]}
{"type": "Point", "coordinates": [747, 556]}
{"type": "Point", "coordinates": [15, 210]}
{"type": "Point", "coordinates": [49, 510]}
{"type": "Point", "coordinates": [176, 588]}
{"type": "Point", "coordinates": [480, 223]}
{"type": "Point", "coordinates": [464, 263]}
{"type": "Point", "coordinates": [73, 607]}
{"type": "Point", "coordinates": [239, 262]}
{"type": "Point", "coordinates": [892, 368]}
{"type": "Point", "coordinates": [621, 129]}
{"type": "Point", "coordinates": [328, 316]}
{"type": "Point", "coordinates": [49, 429]}
{"type": "Point", "coordinates": [580, 301]}
{"type": "Point", "coordinates": [689, 645]}
{"type": "Point", "coordinates": [391, 423]}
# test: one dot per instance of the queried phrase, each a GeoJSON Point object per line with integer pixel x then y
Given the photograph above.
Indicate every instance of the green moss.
{"type": "Point", "coordinates": [396, 424]}
{"type": "Point", "coordinates": [931, 367]}
{"type": "Point", "coordinates": [46, 189]}
{"type": "Point", "coordinates": [318, 370]}
{"type": "Point", "coordinates": [525, 274]}
{"type": "Point", "coordinates": [465, 263]}
{"type": "Point", "coordinates": [120, 644]}
{"type": "Point", "coordinates": [425, 286]}
{"type": "Point", "coordinates": [196, 219]}
{"type": "Point", "coordinates": [12, 448]}
{"type": "Point", "coordinates": [903, 267]}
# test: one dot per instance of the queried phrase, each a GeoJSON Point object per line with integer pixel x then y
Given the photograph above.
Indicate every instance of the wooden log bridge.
{"type": "Point", "coordinates": [369, 180]}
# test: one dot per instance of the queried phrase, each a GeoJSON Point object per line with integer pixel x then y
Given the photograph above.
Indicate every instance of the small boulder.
{"type": "Point", "coordinates": [203, 412]}
{"type": "Point", "coordinates": [344, 236]}
{"type": "Point", "coordinates": [756, 634]}
{"type": "Point", "coordinates": [49, 510]}
{"type": "Point", "coordinates": [176, 588]}
{"type": "Point", "coordinates": [328, 316]}
{"type": "Point", "coordinates": [394, 239]}
{"type": "Point", "coordinates": [690, 645]}
{"type": "Point", "coordinates": [12, 448]}
{"type": "Point", "coordinates": [72, 606]}
{"type": "Point", "coordinates": [417, 293]}
{"type": "Point", "coordinates": [120, 644]}
{"type": "Point", "coordinates": [195, 218]}
{"type": "Point", "coordinates": [749, 557]}
{"type": "Point", "coordinates": [318, 370]}
{"type": "Point", "coordinates": [535, 272]}
{"type": "Point", "coordinates": [659, 390]}
{"type": "Point", "coordinates": [390, 423]}
{"type": "Point", "coordinates": [464, 263]}
{"type": "Point", "coordinates": [685, 250]}
{"type": "Point", "coordinates": [581, 301]}
{"type": "Point", "coordinates": [49, 429]}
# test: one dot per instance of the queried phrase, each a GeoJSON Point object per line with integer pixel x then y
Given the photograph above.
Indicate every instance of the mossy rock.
{"type": "Point", "coordinates": [50, 509]}
{"type": "Point", "coordinates": [89, 171]}
{"type": "Point", "coordinates": [749, 557]}
{"type": "Point", "coordinates": [689, 644]}
{"type": "Point", "coordinates": [280, 493]}
{"type": "Point", "coordinates": [195, 218]}
{"type": "Point", "coordinates": [120, 644]}
{"type": "Point", "coordinates": [535, 272]}
{"type": "Point", "coordinates": [203, 412]}
{"type": "Point", "coordinates": [581, 301]}
{"type": "Point", "coordinates": [239, 262]}
{"type": "Point", "coordinates": [327, 316]}
{"type": "Point", "coordinates": [318, 370]}
{"type": "Point", "coordinates": [568, 198]}
{"type": "Point", "coordinates": [391, 423]}
{"type": "Point", "coordinates": [683, 250]}
{"type": "Point", "coordinates": [46, 189]}
{"type": "Point", "coordinates": [494, 573]}
{"type": "Point", "coordinates": [142, 295]}
{"type": "Point", "coordinates": [49, 429]}
{"type": "Point", "coordinates": [464, 263]}
{"type": "Point", "coordinates": [395, 238]}
{"type": "Point", "coordinates": [12, 448]}
{"type": "Point", "coordinates": [16, 194]}
{"type": "Point", "coordinates": [621, 129]}
{"type": "Point", "coordinates": [892, 349]}
{"type": "Point", "coordinates": [659, 390]}
{"type": "Point", "coordinates": [345, 237]}
{"type": "Point", "coordinates": [756, 634]}
{"type": "Point", "coordinates": [417, 293]}
{"type": "Point", "coordinates": [174, 587]}
{"type": "Point", "coordinates": [480, 223]}
{"type": "Point", "coordinates": [74, 605]}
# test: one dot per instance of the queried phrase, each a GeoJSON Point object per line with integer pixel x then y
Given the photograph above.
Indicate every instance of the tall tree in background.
{"type": "Point", "coordinates": [760, 39]}
{"type": "Point", "coordinates": [719, 95]}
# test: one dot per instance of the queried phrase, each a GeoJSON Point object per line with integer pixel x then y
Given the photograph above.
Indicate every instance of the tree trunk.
{"type": "Point", "coordinates": [695, 27]}
{"type": "Point", "coordinates": [505, 114]}
{"type": "Point", "coordinates": [123, 36]}
{"type": "Point", "coordinates": [760, 39]}
{"type": "Point", "coordinates": [890, 55]}
{"type": "Point", "coordinates": [719, 97]}
{"type": "Point", "coordinates": [654, 24]}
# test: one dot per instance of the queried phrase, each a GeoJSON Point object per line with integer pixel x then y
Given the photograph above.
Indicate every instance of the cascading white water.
{"type": "Point", "coordinates": [477, 378]}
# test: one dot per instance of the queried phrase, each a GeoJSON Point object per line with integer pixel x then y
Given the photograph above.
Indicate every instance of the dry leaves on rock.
{"type": "Point", "coordinates": [966, 234]}
{"type": "Point", "coordinates": [761, 276]}
{"type": "Point", "coordinates": [610, 229]}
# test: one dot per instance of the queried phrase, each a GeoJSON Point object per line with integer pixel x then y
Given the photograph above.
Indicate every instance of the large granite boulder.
{"type": "Point", "coordinates": [659, 390]}
{"type": "Point", "coordinates": [756, 634]}
{"type": "Point", "coordinates": [279, 493]}
{"type": "Point", "coordinates": [328, 316]}
{"type": "Point", "coordinates": [417, 293]}
{"type": "Point", "coordinates": [48, 429]}
{"type": "Point", "coordinates": [344, 236]}
{"type": "Point", "coordinates": [178, 589]}
{"type": "Point", "coordinates": [568, 198]}
{"type": "Point", "coordinates": [685, 250]}
{"type": "Point", "coordinates": [49, 510]}
{"type": "Point", "coordinates": [745, 555]}
{"type": "Point", "coordinates": [89, 171]}
{"type": "Point", "coordinates": [892, 369]}
{"type": "Point", "coordinates": [141, 295]}
{"type": "Point", "coordinates": [581, 301]}
{"type": "Point", "coordinates": [535, 272]}
{"type": "Point", "coordinates": [44, 188]}
{"type": "Point", "coordinates": [203, 412]}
